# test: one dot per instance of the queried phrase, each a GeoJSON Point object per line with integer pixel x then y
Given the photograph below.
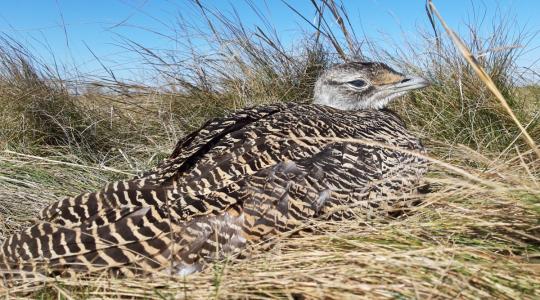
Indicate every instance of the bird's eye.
{"type": "Point", "coordinates": [357, 83]}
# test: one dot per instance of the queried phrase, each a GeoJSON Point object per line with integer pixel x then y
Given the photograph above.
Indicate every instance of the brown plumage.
{"type": "Point", "coordinates": [236, 182]}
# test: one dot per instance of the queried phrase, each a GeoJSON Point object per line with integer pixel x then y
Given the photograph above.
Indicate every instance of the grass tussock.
{"type": "Point", "coordinates": [38, 108]}
{"type": "Point", "coordinates": [458, 108]}
{"type": "Point", "coordinates": [476, 235]}
{"type": "Point", "coordinates": [41, 113]}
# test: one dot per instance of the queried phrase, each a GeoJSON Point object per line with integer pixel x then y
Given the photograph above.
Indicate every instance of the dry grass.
{"type": "Point", "coordinates": [476, 235]}
{"type": "Point", "coordinates": [466, 240]}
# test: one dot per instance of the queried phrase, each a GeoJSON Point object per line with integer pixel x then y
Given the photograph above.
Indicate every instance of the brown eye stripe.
{"type": "Point", "coordinates": [387, 77]}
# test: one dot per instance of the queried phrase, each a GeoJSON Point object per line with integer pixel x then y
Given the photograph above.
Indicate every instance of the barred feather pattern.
{"type": "Point", "coordinates": [235, 183]}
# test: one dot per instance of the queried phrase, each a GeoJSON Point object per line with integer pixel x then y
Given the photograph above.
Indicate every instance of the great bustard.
{"type": "Point", "coordinates": [236, 182]}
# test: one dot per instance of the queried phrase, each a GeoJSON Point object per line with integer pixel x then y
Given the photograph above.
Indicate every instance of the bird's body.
{"type": "Point", "coordinates": [234, 183]}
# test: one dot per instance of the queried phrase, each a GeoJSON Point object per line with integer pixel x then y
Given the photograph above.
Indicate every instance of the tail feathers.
{"type": "Point", "coordinates": [117, 260]}
{"type": "Point", "coordinates": [74, 211]}
{"type": "Point", "coordinates": [139, 239]}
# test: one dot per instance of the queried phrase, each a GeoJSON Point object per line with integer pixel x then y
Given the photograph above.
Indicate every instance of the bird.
{"type": "Point", "coordinates": [237, 182]}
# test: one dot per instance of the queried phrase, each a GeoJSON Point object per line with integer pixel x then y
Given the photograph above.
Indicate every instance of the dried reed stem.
{"type": "Point", "coordinates": [484, 77]}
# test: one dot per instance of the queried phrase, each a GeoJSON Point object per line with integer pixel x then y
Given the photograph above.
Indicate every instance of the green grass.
{"type": "Point", "coordinates": [474, 236]}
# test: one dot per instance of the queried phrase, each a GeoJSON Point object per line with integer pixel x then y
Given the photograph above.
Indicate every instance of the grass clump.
{"type": "Point", "coordinates": [458, 108]}
{"type": "Point", "coordinates": [79, 121]}
{"type": "Point", "coordinates": [37, 108]}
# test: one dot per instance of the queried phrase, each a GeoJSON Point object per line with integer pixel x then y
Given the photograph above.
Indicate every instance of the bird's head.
{"type": "Point", "coordinates": [362, 85]}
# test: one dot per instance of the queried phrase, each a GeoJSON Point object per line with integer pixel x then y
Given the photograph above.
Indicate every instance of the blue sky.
{"type": "Point", "coordinates": [67, 29]}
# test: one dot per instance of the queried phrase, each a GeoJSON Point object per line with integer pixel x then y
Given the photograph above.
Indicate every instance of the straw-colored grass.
{"type": "Point", "coordinates": [475, 235]}
{"type": "Point", "coordinates": [466, 240]}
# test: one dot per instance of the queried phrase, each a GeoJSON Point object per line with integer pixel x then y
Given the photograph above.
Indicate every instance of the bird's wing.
{"type": "Point", "coordinates": [148, 189]}
{"type": "Point", "coordinates": [341, 180]}
{"type": "Point", "coordinates": [344, 179]}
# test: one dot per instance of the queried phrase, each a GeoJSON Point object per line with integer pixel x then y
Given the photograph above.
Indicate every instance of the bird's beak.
{"type": "Point", "coordinates": [410, 83]}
